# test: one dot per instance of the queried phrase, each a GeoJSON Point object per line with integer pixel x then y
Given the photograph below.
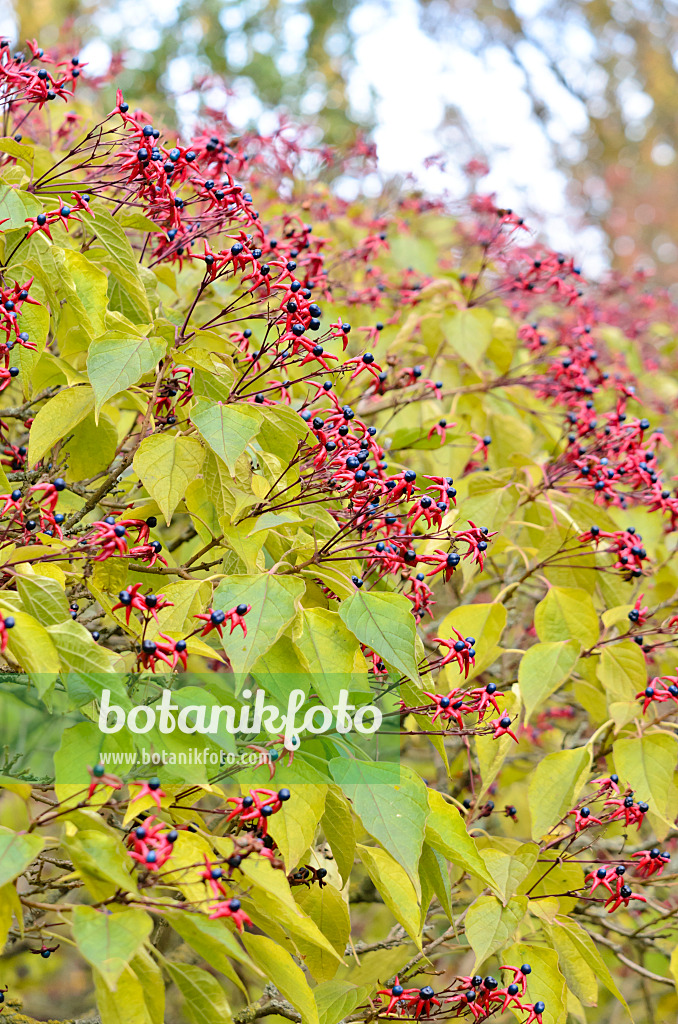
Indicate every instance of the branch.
{"type": "Point", "coordinates": [95, 498]}
{"type": "Point", "coordinates": [265, 1007]}
{"type": "Point", "coordinates": [13, 1015]}
{"type": "Point", "coordinates": [616, 949]}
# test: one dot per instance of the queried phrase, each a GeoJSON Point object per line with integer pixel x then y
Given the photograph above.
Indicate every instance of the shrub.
{"type": "Point", "coordinates": [259, 438]}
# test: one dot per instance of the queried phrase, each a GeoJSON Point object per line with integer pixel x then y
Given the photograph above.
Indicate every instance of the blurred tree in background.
{"type": "Point", "coordinates": [291, 56]}
{"type": "Point", "coordinates": [616, 59]}
{"type": "Point", "coordinates": [612, 61]}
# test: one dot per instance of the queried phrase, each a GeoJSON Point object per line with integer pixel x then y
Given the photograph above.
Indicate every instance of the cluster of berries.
{"type": "Point", "coordinates": [658, 691]}
{"type": "Point", "coordinates": [164, 648]}
{"type": "Point", "coordinates": [481, 996]}
{"type": "Point", "coordinates": [625, 545]}
{"type": "Point", "coordinates": [152, 845]}
{"type": "Point", "coordinates": [456, 703]}
{"type": "Point", "coordinates": [253, 810]}
{"type": "Point", "coordinates": [113, 536]}
{"type": "Point", "coordinates": [29, 513]}
{"type": "Point", "coordinates": [27, 79]}
{"type": "Point", "coordinates": [65, 214]}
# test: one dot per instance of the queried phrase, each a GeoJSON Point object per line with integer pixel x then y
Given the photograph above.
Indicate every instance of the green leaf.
{"type": "Point", "coordinates": [337, 999]}
{"type": "Point", "coordinates": [647, 764]}
{"type": "Point", "coordinates": [469, 332]}
{"type": "Point", "coordinates": [81, 747]}
{"type": "Point", "coordinates": [575, 965]}
{"type": "Point", "coordinates": [274, 605]}
{"type": "Point", "coordinates": [274, 896]}
{"type": "Point", "coordinates": [35, 321]}
{"type": "Point", "coordinates": [393, 811]}
{"type": "Point", "coordinates": [485, 622]}
{"type": "Point", "coordinates": [43, 597]}
{"type": "Point", "coordinates": [10, 906]}
{"type": "Point", "coordinates": [509, 869]}
{"type": "Point", "coordinates": [567, 613]}
{"type": "Point", "coordinates": [395, 888]}
{"type": "Point", "coordinates": [17, 851]}
{"type": "Point", "coordinates": [135, 1001]}
{"type": "Point", "coordinates": [16, 205]}
{"type": "Point", "coordinates": [19, 151]}
{"type": "Point", "coordinates": [87, 287]}
{"type": "Point", "coordinates": [117, 360]}
{"type": "Point", "coordinates": [337, 824]}
{"type": "Point", "coordinates": [90, 448]}
{"type": "Point", "coordinates": [622, 671]}
{"type": "Point", "coordinates": [287, 977]}
{"type": "Point", "coordinates": [166, 465]}
{"type": "Point", "coordinates": [188, 598]}
{"type": "Point", "coordinates": [138, 222]}
{"type": "Point", "coordinates": [114, 240]}
{"type": "Point", "coordinates": [281, 432]}
{"type": "Point", "coordinates": [204, 999]}
{"type": "Point", "coordinates": [581, 941]}
{"type": "Point", "coordinates": [329, 910]}
{"type": "Point", "coordinates": [152, 985]}
{"type": "Point", "coordinates": [81, 655]}
{"type": "Point", "coordinates": [330, 650]}
{"type": "Point", "coordinates": [57, 418]}
{"type": "Point", "coordinates": [490, 925]}
{"type": "Point", "coordinates": [545, 983]}
{"type": "Point", "coordinates": [384, 622]}
{"type": "Point", "coordinates": [108, 941]}
{"type": "Point", "coordinates": [102, 862]}
{"type": "Point", "coordinates": [673, 966]}
{"type": "Point", "coordinates": [295, 825]}
{"type": "Point", "coordinates": [213, 940]}
{"type": "Point", "coordinates": [493, 752]}
{"type": "Point", "coordinates": [554, 787]}
{"type": "Point", "coordinates": [543, 669]}
{"type": "Point", "coordinates": [32, 648]}
{"type": "Point", "coordinates": [122, 261]}
{"type": "Point", "coordinates": [557, 877]}
{"type": "Point", "coordinates": [227, 429]}
{"type": "Point", "coordinates": [435, 876]}
{"type": "Point", "coordinates": [446, 832]}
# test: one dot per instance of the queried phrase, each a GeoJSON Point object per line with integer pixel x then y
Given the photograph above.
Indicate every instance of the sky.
{"type": "Point", "coordinates": [489, 91]}
{"type": "Point", "coordinates": [413, 78]}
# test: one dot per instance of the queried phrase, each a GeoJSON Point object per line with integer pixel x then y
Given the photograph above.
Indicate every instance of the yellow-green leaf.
{"type": "Point", "coordinates": [567, 613]}
{"type": "Point", "coordinates": [395, 888]}
{"type": "Point", "coordinates": [117, 360]}
{"type": "Point", "coordinates": [204, 999]}
{"type": "Point", "coordinates": [57, 418]}
{"type": "Point", "coordinates": [384, 622]}
{"type": "Point", "coordinates": [490, 925]}
{"type": "Point", "coordinates": [108, 940]}
{"type": "Point", "coordinates": [543, 669]}
{"type": "Point", "coordinates": [166, 465]}
{"type": "Point", "coordinates": [647, 764]}
{"type": "Point", "coordinates": [329, 910]}
{"type": "Point", "coordinates": [287, 977]}
{"type": "Point", "coordinates": [545, 983]}
{"type": "Point", "coordinates": [509, 868]}
{"type": "Point", "coordinates": [446, 832]}
{"type": "Point", "coordinates": [17, 851]}
{"type": "Point", "coordinates": [227, 429]}
{"type": "Point", "coordinates": [555, 785]}
{"type": "Point", "coordinates": [274, 604]}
